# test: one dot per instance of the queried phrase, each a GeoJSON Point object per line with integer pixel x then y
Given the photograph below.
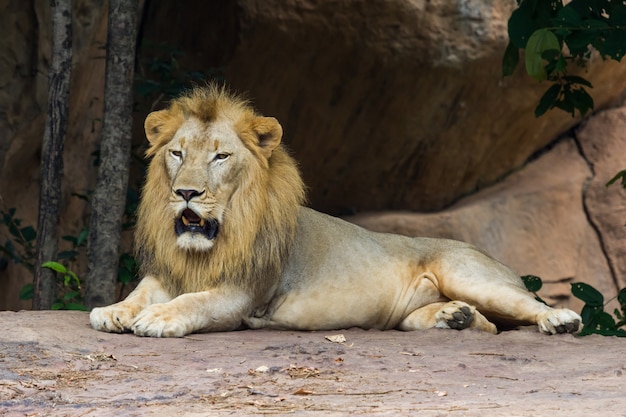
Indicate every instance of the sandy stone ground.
{"type": "Point", "coordinates": [54, 364]}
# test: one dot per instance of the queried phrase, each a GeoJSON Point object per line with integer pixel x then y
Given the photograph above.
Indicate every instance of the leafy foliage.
{"type": "Point", "coordinates": [595, 320]}
{"type": "Point", "coordinates": [556, 33]}
{"type": "Point", "coordinates": [72, 298]}
{"type": "Point", "coordinates": [21, 250]}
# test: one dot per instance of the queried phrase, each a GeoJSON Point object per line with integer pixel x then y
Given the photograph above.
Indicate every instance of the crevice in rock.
{"type": "Point", "coordinates": [592, 223]}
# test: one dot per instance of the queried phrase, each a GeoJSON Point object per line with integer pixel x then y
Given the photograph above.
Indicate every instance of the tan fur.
{"type": "Point", "coordinates": [272, 263]}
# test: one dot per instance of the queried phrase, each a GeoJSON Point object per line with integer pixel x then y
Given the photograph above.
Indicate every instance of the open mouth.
{"type": "Point", "coordinates": [190, 222]}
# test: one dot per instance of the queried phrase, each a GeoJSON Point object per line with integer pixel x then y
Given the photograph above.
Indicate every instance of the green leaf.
{"type": "Point", "coordinates": [582, 100]}
{"type": "Point", "coordinates": [67, 254]}
{"type": "Point", "coordinates": [124, 276]}
{"type": "Point", "coordinates": [617, 15]}
{"type": "Point", "coordinates": [621, 297]}
{"type": "Point", "coordinates": [614, 45]}
{"type": "Point", "coordinates": [578, 41]}
{"type": "Point", "coordinates": [588, 294]}
{"type": "Point", "coordinates": [29, 233]}
{"type": "Point", "coordinates": [540, 41]}
{"type": "Point", "coordinates": [604, 320]}
{"type": "Point", "coordinates": [85, 197]}
{"type": "Point", "coordinates": [71, 276]}
{"type": "Point", "coordinates": [544, 12]}
{"type": "Point", "coordinates": [573, 79]}
{"type": "Point", "coordinates": [568, 17]}
{"type": "Point", "coordinates": [548, 99]}
{"type": "Point", "coordinates": [622, 175]}
{"type": "Point", "coordinates": [76, 279]}
{"type": "Point", "coordinates": [128, 261]}
{"type": "Point", "coordinates": [595, 24]}
{"type": "Point", "coordinates": [57, 306]}
{"type": "Point", "coordinates": [581, 7]}
{"type": "Point", "coordinates": [69, 238]}
{"type": "Point", "coordinates": [55, 266]}
{"type": "Point", "coordinates": [510, 60]}
{"type": "Point", "coordinates": [70, 295]}
{"type": "Point", "coordinates": [520, 26]}
{"type": "Point", "coordinates": [602, 331]}
{"type": "Point", "coordinates": [15, 232]}
{"type": "Point", "coordinates": [82, 237]}
{"type": "Point", "coordinates": [532, 283]}
{"type": "Point", "coordinates": [588, 313]}
{"type": "Point", "coordinates": [27, 292]}
{"type": "Point", "coordinates": [550, 55]}
{"type": "Point", "coordinates": [9, 248]}
{"type": "Point", "coordinates": [566, 104]}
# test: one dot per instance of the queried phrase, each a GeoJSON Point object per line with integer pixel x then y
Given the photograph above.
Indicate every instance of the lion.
{"type": "Point", "coordinates": [225, 243]}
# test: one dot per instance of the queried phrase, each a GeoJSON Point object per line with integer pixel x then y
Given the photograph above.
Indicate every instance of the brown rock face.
{"type": "Point", "coordinates": [602, 142]}
{"type": "Point", "coordinates": [396, 104]}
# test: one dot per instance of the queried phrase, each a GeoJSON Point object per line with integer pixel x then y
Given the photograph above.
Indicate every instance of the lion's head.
{"type": "Point", "coordinates": [221, 196]}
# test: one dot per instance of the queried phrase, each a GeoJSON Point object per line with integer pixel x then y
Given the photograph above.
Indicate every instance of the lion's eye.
{"type": "Point", "coordinates": [177, 154]}
{"type": "Point", "coordinates": [221, 156]}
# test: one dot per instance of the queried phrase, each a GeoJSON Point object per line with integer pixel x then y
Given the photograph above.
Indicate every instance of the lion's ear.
{"type": "Point", "coordinates": [269, 133]}
{"type": "Point", "coordinates": [154, 124]}
{"type": "Point", "coordinates": [160, 128]}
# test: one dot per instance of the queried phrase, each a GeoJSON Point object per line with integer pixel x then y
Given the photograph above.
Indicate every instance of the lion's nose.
{"type": "Point", "coordinates": [189, 194]}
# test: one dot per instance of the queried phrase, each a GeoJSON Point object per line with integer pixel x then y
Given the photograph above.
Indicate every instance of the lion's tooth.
{"type": "Point", "coordinates": [201, 222]}
{"type": "Point", "coordinates": [185, 221]}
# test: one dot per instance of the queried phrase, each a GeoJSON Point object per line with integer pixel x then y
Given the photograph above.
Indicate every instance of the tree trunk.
{"type": "Point", "coordinates": [110, 195]}
{"type": "Point", "coordinates": [52, 152]}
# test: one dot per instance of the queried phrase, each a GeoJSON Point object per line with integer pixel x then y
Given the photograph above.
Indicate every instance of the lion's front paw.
{"type": "Point", "coordinates": [559, 321]}
{"type": "Point", "coordinates": [160, 320]}
{"type": "Point", "coordinates": [116, 318]}
{"type": "Point", "coordinates": [455, 315]}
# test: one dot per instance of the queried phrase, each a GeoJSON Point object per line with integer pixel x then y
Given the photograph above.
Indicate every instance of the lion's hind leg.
{"type": "Point", "coordinates": [447, 315]}
{"type": "Point", "coordinates": [558, 321]}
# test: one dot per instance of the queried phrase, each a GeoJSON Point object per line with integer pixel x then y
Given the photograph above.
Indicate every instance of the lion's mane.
{"type": "Point", "coordinates": [259, 225]}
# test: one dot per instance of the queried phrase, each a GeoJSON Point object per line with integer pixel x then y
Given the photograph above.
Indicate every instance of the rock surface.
{"type": "Point", "coordinates": [603, 145]}
{"type": "Point", "coordinates": [397, 104]}
{"type": "Point", "coordinates": [54, 364]}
